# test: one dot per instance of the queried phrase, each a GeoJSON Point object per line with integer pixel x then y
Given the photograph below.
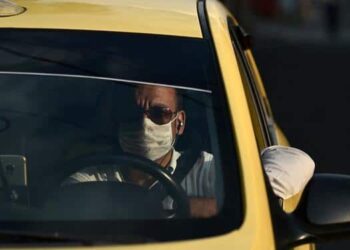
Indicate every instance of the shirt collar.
{"type": "Point", "coordinates": [172, 165]}
{"type": "Point", "coordinates": [173, 161]}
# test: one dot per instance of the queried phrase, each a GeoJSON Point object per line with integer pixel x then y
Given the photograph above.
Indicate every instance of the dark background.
{"type": "Point", "coordinates": [304, 65]}
{"type": "Point", "coordinates": [302, 49]}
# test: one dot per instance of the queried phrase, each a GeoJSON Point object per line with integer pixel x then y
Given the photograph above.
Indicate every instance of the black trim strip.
{"type": "Point", "coordinates": [203, 20]}
{"type": "Point", "coordinates": [233, 29]}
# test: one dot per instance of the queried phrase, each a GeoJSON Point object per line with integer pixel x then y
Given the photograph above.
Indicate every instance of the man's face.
{"type": "Point", "coordinates": [148, 97]}
{"type": "Point", "coordinates": [148, 137]}
{"type": "Point", "coordinates": [154, 137]}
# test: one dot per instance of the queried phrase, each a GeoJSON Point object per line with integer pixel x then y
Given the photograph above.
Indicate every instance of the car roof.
{"type": "Point", "coordinates": [178, 18]}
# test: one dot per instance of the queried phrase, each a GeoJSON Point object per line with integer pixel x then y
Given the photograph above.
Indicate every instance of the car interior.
{"type": "Point", "coordinates": [52, 126]}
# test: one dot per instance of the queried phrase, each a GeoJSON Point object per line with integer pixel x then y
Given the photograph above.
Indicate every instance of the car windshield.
{"type": "Point", "coordinates": [114, 129]}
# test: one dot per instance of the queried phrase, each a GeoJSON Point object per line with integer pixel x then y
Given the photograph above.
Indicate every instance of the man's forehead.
{"type": "Point", "coordinates": [155, 90]}
{"type": "Point", "coordinates": [156, 93]}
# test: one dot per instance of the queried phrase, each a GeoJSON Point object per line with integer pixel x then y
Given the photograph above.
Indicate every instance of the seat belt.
{"type": "Point", "coordinates": [184, 164]}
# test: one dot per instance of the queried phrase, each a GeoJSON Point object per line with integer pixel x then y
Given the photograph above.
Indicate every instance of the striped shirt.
{"type": "Point", "coordinates": [199, 182]}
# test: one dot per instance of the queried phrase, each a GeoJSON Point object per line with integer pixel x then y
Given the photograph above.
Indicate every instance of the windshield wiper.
{"type": "Point", "coordinates": [15, 237]}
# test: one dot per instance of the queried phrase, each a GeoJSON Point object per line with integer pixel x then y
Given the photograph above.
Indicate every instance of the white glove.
{"type": "Point", "coordinates": [288, 169]}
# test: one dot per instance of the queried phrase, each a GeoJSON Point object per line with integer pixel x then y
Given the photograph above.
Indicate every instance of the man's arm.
{"type": "Point", "coordinates": [288, 169]}
{"type": "Point", "coordinates": [203, 207]}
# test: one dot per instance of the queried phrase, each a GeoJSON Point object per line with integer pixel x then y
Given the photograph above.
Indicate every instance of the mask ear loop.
{"type": "Point", "coordinates": [176, 134]}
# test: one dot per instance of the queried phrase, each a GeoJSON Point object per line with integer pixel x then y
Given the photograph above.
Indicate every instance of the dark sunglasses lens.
{"type": "Point", "coordinates": [160, 115]}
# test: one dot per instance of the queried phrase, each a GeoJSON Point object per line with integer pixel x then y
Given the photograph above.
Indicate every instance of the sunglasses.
{"type": "Point", "coordinates": [160, 115]}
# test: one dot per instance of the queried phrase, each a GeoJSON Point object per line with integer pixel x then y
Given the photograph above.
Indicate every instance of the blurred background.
{"type": "Point", "coordinates": [302, 48]}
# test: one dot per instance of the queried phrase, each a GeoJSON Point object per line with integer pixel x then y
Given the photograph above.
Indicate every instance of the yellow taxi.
{"type": "Point", "coordinates": [73, 174]}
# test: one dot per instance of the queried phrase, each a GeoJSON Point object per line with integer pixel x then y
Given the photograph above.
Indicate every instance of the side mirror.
{"type": "Point", "coordinates": [326, 200]}
{"type": "Point", "coordinates": [324, 210]}
{"type": "Point", "coordinates": [323, 213]}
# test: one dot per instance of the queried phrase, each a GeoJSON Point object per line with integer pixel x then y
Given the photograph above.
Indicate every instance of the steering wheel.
{"type": "Point", "coordinates": [118, 190]}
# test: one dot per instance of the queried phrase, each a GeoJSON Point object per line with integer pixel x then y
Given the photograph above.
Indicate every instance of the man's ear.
{"type": "Point", "coordinates": [180, 122]}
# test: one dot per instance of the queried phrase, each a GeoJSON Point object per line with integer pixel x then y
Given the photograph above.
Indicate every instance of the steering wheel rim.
{"type": "Point", "coordinates": [173, 188]}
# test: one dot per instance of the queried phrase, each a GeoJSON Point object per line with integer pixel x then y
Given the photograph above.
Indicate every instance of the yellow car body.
{"type": "Point", "coordinates": [181, 18]}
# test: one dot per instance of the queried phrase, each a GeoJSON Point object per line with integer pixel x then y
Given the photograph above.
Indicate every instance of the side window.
{"type": "Point", "coordinates": [256, 106]}
{"type": "Point", "coordinates": [262, 94]}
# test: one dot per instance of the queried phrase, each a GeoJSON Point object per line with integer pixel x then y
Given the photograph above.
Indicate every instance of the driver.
{"type": "Point", "coordinates": [156, 119]}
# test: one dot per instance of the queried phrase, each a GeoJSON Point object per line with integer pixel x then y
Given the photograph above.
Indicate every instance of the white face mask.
{"type": "Point", "coordinates": [149, 140]}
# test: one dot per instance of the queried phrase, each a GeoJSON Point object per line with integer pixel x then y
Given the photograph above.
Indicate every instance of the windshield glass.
{"type": "Point", "coordinates": [114, 128]}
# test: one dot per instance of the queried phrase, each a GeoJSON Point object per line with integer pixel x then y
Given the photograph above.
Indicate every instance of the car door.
{"type": "Point", "coordinates": [266, 130]}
